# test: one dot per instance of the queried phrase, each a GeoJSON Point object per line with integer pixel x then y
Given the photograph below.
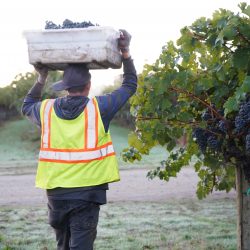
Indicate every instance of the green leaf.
{"type": "Point", "coordinates": [171, 145]}
{"type": "Point", "coordinates": [130, 154]}
{"type": "Point", "coordinates": [239, 94]}
{"type": "Point", "coordinates": [221, 91]}
{"type": "Point", "coordinates": [246, 84]}
{"type": "Point", "coordinates": [166, 103]}
{"type": "Point", "coordinates": [247, 10]}
{"type": "Point", "coordinates": [244, 30]}
{"type": "Point", "coordinates": [220, 39]}
{"type": "Point", "coordinates": [230, 105]}
{"type": "Point", "coordinates": [197, 166]}
{"type": "Point", "coordinates": [241, 58]}
{"type": "Point", "coordinates": [185, 116]}
{"type": "Point", "coordinates": [135, 142]}
{"type": "Point", "coordinates": [242, 6]}
{"type": "Point", "coordinates": [229, 32]}
{"type": "Point", "coordinates": [206, 83]}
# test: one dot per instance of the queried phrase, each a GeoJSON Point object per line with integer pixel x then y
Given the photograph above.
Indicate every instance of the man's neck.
{"type": "Point", "coordinates": [79, 94]}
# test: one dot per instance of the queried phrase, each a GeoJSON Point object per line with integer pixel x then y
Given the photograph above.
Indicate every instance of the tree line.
{"type": "Point", "coordinates": [12, 96]}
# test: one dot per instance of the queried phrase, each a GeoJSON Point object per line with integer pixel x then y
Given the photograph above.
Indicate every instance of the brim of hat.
{"type": "Point", "coordinates": [59, 86]}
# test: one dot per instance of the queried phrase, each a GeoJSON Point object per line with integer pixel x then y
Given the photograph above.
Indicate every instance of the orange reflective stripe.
{"type": "Point", "coordinates": [96, 122]}
{"type": "Point", "coordinates": [77, 161]}
{"type": "Point", "coordinates": [76, 156]}
{"type": "Point", "coordinates": [86, 128]}
{"type": "Point", "coordinates": [49, 122]}
{"type": "Point", "coordinates": [46, 123]}
{"type": "Point", "coordinates": [76, 150]}
{"type": "Point", "coordinates": [91, 131]}
{"type": "Point", "coordinates": [42, 122]}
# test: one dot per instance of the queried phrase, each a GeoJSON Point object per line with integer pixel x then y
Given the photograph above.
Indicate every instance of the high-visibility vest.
{"type": "Point", "coordinates": [75, 153]}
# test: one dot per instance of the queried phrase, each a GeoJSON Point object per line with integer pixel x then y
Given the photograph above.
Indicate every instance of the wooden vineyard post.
{"type": "Point", "coordinates": [243, 211]}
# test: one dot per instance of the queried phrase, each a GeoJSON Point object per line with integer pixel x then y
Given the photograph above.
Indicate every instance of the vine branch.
{"type": "Point", "coordinates": [198, 36]}
{"type": "Point", "coordinates": [189, 123]}
{"type": "Point", "coordinates": [190, 94]}
{"type": "Point", "coordinates": [242, 36]}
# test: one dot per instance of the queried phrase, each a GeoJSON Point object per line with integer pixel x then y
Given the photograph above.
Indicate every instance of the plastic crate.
{"type": "Point", "coordinates": [96, 46]}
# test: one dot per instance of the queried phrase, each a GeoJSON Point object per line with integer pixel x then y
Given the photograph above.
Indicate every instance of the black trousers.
{"type": "Point", "coordinates": [75, 223]}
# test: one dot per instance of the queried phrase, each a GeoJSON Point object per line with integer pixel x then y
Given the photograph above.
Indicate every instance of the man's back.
{"type": "Point", "coordinates": [74, 207]}
{"type": "Point", "coordinates": [70, 107]}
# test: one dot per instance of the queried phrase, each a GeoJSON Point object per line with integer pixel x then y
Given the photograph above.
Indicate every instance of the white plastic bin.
{"type": "Point", "coordinates": [96, 46]}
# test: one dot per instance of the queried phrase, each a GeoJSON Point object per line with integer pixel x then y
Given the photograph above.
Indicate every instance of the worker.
{"type": "Point", "coordinates": [77, 158]}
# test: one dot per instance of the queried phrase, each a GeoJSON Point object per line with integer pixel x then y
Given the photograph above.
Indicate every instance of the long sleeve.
{"type": "Point", "coordinates": [111, 103]}
{"type": "Point", "coordinates": [32, 103]}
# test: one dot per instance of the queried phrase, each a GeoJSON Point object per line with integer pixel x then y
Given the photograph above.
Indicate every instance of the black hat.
{"type": "Point", "coordinates": [75, 75]}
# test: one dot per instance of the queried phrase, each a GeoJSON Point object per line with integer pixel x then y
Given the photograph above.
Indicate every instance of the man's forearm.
{"type": "Point", "coordinates": [129, 73]}
{"type": "Point", "coordinates": [31, 104]}
{"type": "Point", "coordinates": [36, 91]}
{"type": "Point", "coordinates": [111, 103]}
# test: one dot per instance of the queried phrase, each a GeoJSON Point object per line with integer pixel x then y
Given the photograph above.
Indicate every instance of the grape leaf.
{"type": "Point", "coordinates": [241, 58]}
{"type": "Point", "coordinates": [230, 105]}
{"type": "Point", "coordinates": [246, 84]}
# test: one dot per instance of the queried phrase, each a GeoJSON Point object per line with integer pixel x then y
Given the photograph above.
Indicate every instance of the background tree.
{"type": "Point", "coordinates": [11, 96]}
{"type": "Point", "coordinates": [201, 87]}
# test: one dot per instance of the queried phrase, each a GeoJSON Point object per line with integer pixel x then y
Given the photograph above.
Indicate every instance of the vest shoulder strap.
{"type": "Point", "coordinates": [46, 122]}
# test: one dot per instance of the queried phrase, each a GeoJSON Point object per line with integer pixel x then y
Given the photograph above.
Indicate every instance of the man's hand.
{"type": "Point", "coordinates": [42, 73]}
{"type": "Point", "coordinates": [124, 42]}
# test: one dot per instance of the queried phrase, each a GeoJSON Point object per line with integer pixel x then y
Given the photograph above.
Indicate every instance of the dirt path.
{"type": "Point", "coordinates": [134, 186]}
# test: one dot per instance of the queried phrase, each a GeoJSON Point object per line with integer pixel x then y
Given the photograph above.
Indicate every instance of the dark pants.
{"type": "Point", "coordinates": [74, 222]}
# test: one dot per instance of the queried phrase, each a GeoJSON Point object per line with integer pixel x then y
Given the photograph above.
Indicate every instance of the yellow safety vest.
{"type": "Point", "coordinates": [75, 153]}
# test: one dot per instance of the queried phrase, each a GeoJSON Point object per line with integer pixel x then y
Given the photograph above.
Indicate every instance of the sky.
{"type": "Point", "coordinates": [151, 23]}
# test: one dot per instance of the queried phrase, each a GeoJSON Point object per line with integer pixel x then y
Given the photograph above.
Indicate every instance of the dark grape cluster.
{"type": "Point", "coordinates": [242, 120]}
{"type": "Point", "coordinates": [207, 139]}
{"type": "Point", "coordinates": [200, 137]}
{"type": "Point", "coordinates": [212, 136]}
{"type": "Point", "coordinates": [222, 126]}
{"type": "Point", "coordinates": [206, 115]}
{"type": "Point", "coordinates": [214, 143]}
{"type": "Point", "coordinates": [68, 24]}
{"type": "Point", "coordinates": [230, 136]}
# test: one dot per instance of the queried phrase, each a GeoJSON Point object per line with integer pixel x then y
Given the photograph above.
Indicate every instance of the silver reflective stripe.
{"type": "Point", "coordinates": [76, 156]}
{"type": "Point", "coordinates": [91, 135]}
{"type": "Point", "coordinates": [45, 139]}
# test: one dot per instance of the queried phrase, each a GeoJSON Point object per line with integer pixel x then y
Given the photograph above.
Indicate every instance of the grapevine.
{"type": "Point", "coordinates": [199, 87]}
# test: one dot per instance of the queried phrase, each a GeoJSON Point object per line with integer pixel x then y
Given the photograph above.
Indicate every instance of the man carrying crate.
{"type": "Point", "coordinates": [77, 159]}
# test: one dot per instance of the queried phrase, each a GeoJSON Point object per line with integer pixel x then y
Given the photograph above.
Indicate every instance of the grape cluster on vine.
{"type": "Point", "coordinates": [214, 133]}
{"type": "Point", "coordinates": [242, 120]}
{"type": "Point", "coordinates": [242, 123]}
{"type": "Point", "coordinates": [200, 137]}
{"type": "Point", "coordinates": [216, 130]}
{"type": "Point", "coordinates": [68, 24]}
{"type": "Point", "coordinates": [211, 136]}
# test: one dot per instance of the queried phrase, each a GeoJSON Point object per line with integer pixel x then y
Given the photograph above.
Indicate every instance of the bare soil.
{"type": "Point", "coordinates": [134, 186]}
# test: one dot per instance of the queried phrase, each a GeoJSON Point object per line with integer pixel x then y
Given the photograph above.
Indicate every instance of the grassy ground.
{"type": "Point", "coordinates": [20, 145]}
{"type": "Point", "coordinates": [174, 225]}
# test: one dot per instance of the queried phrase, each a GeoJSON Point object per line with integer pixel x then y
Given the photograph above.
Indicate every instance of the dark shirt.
{"type": "Point", "coordinates": [70, 107]}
